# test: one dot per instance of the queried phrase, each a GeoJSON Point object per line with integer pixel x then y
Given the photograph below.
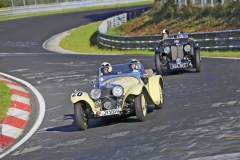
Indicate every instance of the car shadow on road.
{"type": "Point", "coordinates": [166, 72]}
{"type": "Point", "coordinates": [97, 122]}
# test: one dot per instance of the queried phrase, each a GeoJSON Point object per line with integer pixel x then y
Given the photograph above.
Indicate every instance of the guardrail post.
{"type": "Point", "coordinates": [193, 1]}
{"type": "Point", "coordinates": [12, 3]}
{"type": "Point", "coordinates": [130, 15]}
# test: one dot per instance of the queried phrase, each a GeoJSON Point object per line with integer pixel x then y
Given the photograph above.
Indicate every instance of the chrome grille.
{"type": "Point", "coordinates": [177, 52]}
{"type": "Point", "coordinates": [106, 92]}
{"type": "Point", "coordinates": [112, 100]}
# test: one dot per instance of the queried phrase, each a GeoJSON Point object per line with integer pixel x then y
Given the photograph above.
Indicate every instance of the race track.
{"type": "Point", "coordinates": [200, 117]}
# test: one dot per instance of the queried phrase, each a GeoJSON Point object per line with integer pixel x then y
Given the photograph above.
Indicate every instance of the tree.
{"type": "Point", "coordinates": [2, 4]}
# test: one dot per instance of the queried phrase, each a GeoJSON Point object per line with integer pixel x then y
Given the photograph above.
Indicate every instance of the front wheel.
{"type": "Point", "coordinates": [140, 107]}
{"type": "Point", "coordinates": [80, 117]}
{"type": "Point", "coordinates": [197, 61]}
{"type": "Point", "coordinates": [158, 64]}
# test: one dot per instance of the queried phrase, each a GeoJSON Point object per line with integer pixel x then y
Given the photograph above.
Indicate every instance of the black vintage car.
{"type": "Point", "coordinates": [178, 52]}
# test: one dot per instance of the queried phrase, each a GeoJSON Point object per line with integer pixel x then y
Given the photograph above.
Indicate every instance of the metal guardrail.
{"type": "Point", "coordinates": [217, 40]}
{"type": "Point", "coordinates": [59, 6]}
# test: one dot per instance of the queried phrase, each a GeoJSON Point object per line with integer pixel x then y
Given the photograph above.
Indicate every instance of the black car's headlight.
{"type": "Point", "coordinates": [95, 94]}
{"type": "Point", "coordinates": [117, 91]}
{"type": "Point", "coordinates": [167, 50]}
{"type": "Point", "coordinates": [187, 48]}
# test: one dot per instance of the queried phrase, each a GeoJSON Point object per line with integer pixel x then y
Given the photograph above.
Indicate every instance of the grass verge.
{"type": "Point", "coordinates": [5, 99]}
{"type": "Point", "coordinates": [190, 18]}
{"type": "Point", "coordinates": [84, 39]}
{"type": "Point", "coordinates": [77, 10]}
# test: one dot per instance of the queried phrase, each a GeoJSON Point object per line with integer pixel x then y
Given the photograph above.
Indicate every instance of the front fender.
{"type": "Point", "coordinates": [134, 90]}
{"type": "Point", "coordinates": [83, 96]}
{"type": "Point", "coordinates": [153, 86]}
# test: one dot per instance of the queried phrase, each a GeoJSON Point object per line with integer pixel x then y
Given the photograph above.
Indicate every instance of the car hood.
{"type": "Point", "coordinates": [125, 82]}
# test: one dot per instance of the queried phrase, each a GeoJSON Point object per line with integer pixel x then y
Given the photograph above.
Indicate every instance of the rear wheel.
{"type": "Point", "coordinates": [80, 117]}
{"type": "Point", "coordinates": [158, 64]}
{"type": "Point", "coordinates": [197, 61]}
{"type": "Point", "coordinates": [140, 107]}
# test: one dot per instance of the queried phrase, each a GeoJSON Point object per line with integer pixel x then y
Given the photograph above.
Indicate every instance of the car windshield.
{"type": "Point", "coordinates": [170, 36]}
{"type": "Point", "coordinates": [118, 70]}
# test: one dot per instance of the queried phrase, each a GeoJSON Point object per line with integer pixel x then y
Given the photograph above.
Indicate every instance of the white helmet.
{"type": "Point", "coordinates": [106, 64]}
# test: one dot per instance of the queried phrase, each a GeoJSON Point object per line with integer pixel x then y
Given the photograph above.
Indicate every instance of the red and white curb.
{"type": "Point", "coordinates": [39, 117]}
{"type": "Point", "coordinates": [13, 124]}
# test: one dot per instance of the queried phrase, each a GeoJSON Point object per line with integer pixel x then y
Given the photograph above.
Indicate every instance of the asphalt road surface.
{"type": "Point", "coordinates": [200, 118]}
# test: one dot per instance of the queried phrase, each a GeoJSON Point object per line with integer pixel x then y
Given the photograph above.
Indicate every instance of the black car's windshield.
{"type": "Point", "coordinates": [119, 70]}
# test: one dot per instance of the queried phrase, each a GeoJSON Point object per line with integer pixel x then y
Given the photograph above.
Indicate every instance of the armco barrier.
{"type": "Point", "coordinates": [216, 40]}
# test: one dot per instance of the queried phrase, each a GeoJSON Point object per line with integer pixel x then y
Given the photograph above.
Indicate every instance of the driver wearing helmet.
{"type": "Point", "coordinates": [165, 33]}
{"type": "Point", "coordinates": [180, 34]}
{"type": "Point", "coordinates": [134, 65]}
{"type": "Point", "coordinates": [106, 68]}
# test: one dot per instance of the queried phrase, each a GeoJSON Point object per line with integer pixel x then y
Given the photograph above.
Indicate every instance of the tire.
{"type": "Point", "coordinates": [80, 117]}
{"type": "Point", "coordinates": [197, 61]}
{"type": "Point", "coordinates": [140, 107]}
{"type": "Point", "coordinates": [158, 64]}
{"type": "Point", "coordinates": [160, 105]}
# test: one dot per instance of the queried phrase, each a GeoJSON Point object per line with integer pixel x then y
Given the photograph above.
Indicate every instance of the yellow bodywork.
{"type": "Point", "coordinates": [132, 86]}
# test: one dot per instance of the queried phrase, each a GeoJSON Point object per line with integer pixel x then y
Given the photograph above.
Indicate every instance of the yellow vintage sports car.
{"type": "Point", "coordinates": [121, 92]}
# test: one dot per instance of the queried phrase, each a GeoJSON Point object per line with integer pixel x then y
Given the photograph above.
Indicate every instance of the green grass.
{"type": "Point", "coordinates": [76, 10]}
{"type": "Point", "coordinates": [5, 99]}
{"type": "Point", "coordinates": [84, 39]}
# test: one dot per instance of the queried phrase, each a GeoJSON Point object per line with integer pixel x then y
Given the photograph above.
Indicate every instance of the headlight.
{"type": "Point", "coordinates": [187, 48]}
{"type": "Point", "coordinates": [95, 93]}
{"type": "Point", "coordinates": [117, 91]}
{"type": "Point", "coordinates": [167, 50]}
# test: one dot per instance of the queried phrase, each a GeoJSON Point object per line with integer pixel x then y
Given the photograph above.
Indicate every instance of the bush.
{"type": "Point", "coordinates": [5, 3]}
{"type": "Point", "coordinates": [207, 10]}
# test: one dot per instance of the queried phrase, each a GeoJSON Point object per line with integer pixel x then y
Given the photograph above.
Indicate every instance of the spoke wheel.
{"type": "Point", "coordinates": [140, 107]}
{"type": "Point", "coordinates": [80, 117]}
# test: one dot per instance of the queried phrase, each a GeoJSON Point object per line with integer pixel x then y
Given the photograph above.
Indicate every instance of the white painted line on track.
{"type": "Point", "coordinates": [42, 108]}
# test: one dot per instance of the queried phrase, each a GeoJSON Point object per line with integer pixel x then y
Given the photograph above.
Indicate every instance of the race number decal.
{"type": "Point", "coordinates": [77, 94]}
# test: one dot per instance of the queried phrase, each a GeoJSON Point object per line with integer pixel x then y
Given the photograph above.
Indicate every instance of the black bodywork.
{"type": "Point", "coordinates": [178, 52]}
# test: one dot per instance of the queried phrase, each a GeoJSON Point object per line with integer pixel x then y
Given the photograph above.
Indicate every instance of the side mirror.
{"type": "Point", "coordinates": [93, 81]}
